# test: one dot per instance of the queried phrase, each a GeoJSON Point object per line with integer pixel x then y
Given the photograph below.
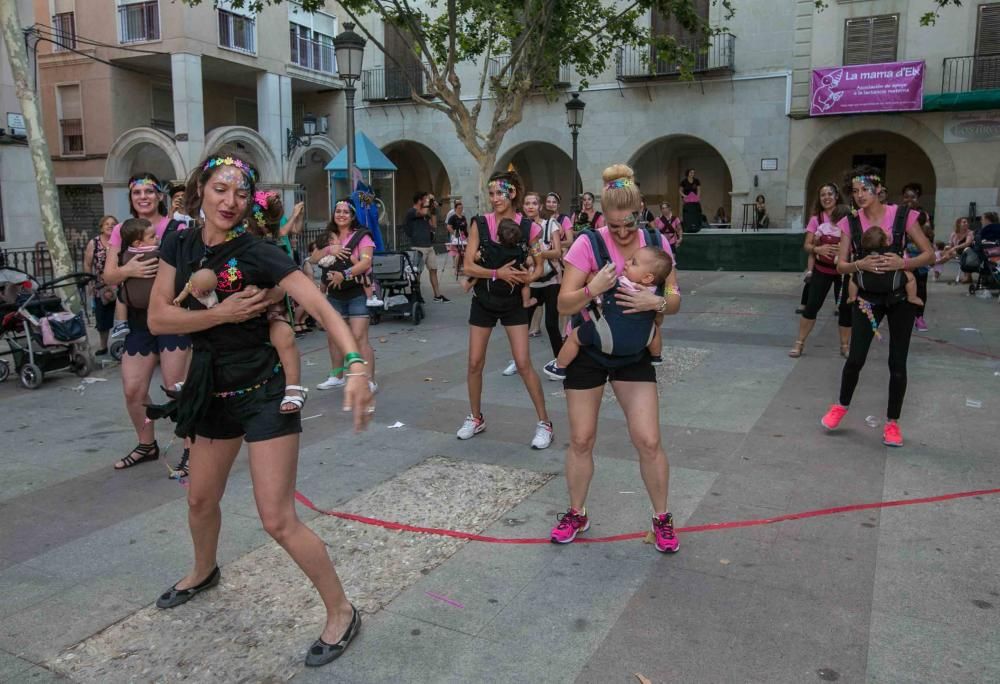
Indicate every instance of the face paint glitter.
{"type": "Point", "coordinates": [502, 187]}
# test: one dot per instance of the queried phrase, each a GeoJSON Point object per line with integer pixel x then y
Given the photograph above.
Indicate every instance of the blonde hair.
{"type": "Point", "coordinates": [625, 198]}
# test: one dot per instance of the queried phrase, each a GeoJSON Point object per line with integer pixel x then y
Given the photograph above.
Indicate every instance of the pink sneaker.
{"type": "Point", "coordinates": [891, 436]}
{"type": "Point", "coordinates": [571, 523]}
{"type": "Point", "coordinates": [663, 530]}
{"type": "Point", "coordinates": [833, 417]}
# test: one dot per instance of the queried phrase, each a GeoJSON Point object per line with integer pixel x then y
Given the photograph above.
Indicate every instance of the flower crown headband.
{"type": "Point", "coordinates": [250, 171]}
{"type": "Point", "coordinates": [619, 183]}
{"type": "Point", "coordinates": [139, 182]}
{"type": "Point", "coordinates": [867, 179]}
{"type": "Point", "coordinates": [503, 186]}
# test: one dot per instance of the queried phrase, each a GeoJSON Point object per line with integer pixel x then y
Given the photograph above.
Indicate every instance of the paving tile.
{"type": "Point", "coordinates": [12, 667]}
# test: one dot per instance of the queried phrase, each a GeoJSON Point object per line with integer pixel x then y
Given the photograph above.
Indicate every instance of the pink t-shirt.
{"type": "Point", "coordinates": [116, 232]}
{"type": "Point", "coordinates": [888, 219]}
{"type": "Point", "coordinates": [581, 253]}
{"type": "Point", "coordinates": [567, 223]}
{"type": "Point", "coordinates": [814, 222]}
{"type": "Point", "coordinates": [491, 227]}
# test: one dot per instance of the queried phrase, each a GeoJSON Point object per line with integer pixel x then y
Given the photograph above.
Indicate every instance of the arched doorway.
{"type": "Point", "coordinates": [543, 168]}
{"type": "Point", "coordinates": [251, 145]}
{"type": "Point", "coordinates": [660, 165]}
{"type": "Point", "coordinates": [313, 184]}
{"type": "Point", "coordinates": [137, 150]}
{"type": "Point", "coordinates": [419, 169]}
{"type": "Point", "coordinates": [901, 160]}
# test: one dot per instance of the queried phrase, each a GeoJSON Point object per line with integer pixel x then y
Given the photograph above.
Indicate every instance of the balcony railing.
{"type": "Point", "coordinates": [965, 74]}
{"type": "Point", "coordinates": [139, 22]}
{"type": "Point", "coordinates": [312, 54]}
{"type": "Point", "coordinates": [562, 78]}
{"type": "Point", "coordinates": [635, 64]}
{"type": "Point", "coordinates": [237, 32]}
{"type": "Point", "coordinates": [386, 83]}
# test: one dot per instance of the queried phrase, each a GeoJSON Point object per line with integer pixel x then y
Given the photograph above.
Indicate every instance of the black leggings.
{"type": "Point", "coordinates": [921, 279]}
{"type": "Point", "coordinates": [836, 293]}
{"type": "Point", "coordinates": [819, 286]}
{"type": "Point", "coordinates": [900, 327]}
{"type": "Point", "coordinates": [548, 297]}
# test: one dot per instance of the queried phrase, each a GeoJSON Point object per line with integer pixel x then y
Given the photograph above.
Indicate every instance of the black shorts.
{"type": "Point", "coordinates": [143, 343]}
{"type": "Point", "coordinates": [482, 317]}
{"type": "Point", "coordinates": [586, 373]}
{"type": "Point", "coordinates": [255, 416]}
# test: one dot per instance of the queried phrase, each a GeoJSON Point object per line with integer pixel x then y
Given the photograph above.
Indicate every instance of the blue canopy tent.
{"type": "Point", "coordinates": [374, 170]}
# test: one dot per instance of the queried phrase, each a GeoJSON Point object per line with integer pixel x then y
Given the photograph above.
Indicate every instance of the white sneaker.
{"type": "Point", "coordinates": [120, 330]}
{"type": "Point", "coordinates": [331, 382]}
{"type": "Point", "coordinates": [471, 427]}
{"type": "Point", "coordinates": [511, 369]}
{"type": "Point", "coordinates": [543, 435]}
{"type": "Point", "coordinates": [374, 301]}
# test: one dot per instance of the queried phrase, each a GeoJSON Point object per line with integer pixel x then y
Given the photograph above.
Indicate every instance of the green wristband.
{"type": "Point", "coordinates": [353, 357]}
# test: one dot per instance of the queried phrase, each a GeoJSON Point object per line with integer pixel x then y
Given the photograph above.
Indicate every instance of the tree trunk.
{"type": "Point", "coordinates": [487, 161]}
{"type": "Point", "coordinates": [48, 197]}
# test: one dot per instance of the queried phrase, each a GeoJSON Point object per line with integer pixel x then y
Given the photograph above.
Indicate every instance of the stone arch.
{"type": "Point", "coordinates": [256, 148]}
{"type": "Point", "coordinates": [660, 164]}
{"type": "Point", "coordinates": [319, 142]}
{"type": "Point", "coordinates": [129, 144]}
{"type": "Point", "coordinates": [830, 132]}
{"type": "Point", "coordinates": [733, 158]}
{"type": "Point", "coordinates": [418, 168]}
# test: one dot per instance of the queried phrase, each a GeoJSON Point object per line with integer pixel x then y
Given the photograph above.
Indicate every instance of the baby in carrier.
{"type": "Point", "coordinates": [648, 268]}
{"type": "Point", "coordinates": [140, 236]}
{"type": "Point", "coordinates": [510, 247]}
{"type": "Point", "coordinates": [876, 241]}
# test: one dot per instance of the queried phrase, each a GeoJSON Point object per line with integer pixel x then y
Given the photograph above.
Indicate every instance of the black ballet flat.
{"type": "Point", "coordinates": [175, 597]}
{"type": "Point", "coordinates": [321, 653]}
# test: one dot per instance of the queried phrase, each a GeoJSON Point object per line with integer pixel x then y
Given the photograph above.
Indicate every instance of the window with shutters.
{"type": "Point", "coordinates": [986, 63]}
{"type": "Point", "coordinates": [70, 110]}
{"type": "Point", "coordinates": [871, 40]}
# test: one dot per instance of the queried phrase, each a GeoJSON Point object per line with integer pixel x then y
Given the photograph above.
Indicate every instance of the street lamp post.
{"type": "Point", "coordinates": [574, 119]}
{"type": "Point", "coordinates": [350, 51]}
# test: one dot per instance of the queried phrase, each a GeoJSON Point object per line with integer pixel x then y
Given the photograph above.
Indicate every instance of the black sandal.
{"type": "Point", "coordinates": [175, 597]}
{"type": "Point", "coordinates": [147, 452]}
{"type": "Point", "coordinates": [321, 653]}
{"type": "Point", "coordinates": [181, 470]}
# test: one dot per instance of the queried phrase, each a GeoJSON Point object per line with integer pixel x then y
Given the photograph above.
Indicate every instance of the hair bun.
{"type": "Point", "coordinates": [617, 172]}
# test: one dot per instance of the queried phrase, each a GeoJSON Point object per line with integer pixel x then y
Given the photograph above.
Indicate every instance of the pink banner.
{"type": "Point", "coordinates": [888, 87]}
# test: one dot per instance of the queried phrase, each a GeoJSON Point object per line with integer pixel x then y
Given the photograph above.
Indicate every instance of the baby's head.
{"type": "Point", "coordinates": [203, 281]}
{"type": "Point", "coordinates": [940, 246]}
{"type": "Point", "coordinates": [649, 266]}
{"type": "Point", "coordinates": [138, 232]}
{"type": "Point", "coordinates": [874, 239]}
{"type": "Point", "coordinates": [508, 233]}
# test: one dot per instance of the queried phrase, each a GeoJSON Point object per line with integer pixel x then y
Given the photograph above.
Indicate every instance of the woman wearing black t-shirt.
{"type": "Point", "coordinates": [691, 202]}
{"type": "Point", "coordinates": [235, 384]}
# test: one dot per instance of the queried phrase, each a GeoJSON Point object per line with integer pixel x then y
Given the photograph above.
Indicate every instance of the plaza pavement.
{"type": "Point", "coordinates": [902, 594]}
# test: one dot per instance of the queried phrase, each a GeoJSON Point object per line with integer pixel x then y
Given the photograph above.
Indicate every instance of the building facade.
{"type": "Point", "coordinates": [744, 122]}
{"type": "Point", "coordinates": [130, 86]}
{"type": "Point", "coordinates": [20, 219]}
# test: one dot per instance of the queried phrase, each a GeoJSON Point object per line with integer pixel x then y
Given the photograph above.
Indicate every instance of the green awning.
{"type": "Point", "coordinates": [968, 101]}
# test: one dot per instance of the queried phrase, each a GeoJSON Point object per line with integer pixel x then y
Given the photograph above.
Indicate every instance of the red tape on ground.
{"type": "Point", "coordinates": [469, 536]}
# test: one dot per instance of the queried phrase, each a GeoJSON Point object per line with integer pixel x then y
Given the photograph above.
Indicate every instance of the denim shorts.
{"type": "Point", "coordinates": [350, 308]}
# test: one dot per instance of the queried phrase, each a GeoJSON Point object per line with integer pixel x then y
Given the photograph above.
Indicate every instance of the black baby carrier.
{"type": "Point", "coordinates": [349, 289]}
{"type": "Point", "coordinates": [499, 295]}
{"type": "Point", "coordinates": [623, 337]}
{"type": "Point", "coordinates": [888, 284]}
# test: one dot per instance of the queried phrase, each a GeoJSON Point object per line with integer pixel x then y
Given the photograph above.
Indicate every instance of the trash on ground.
{"type": "Point", "coordinates": [311, 417]}
{"type": "Point", "coordinates": [397, 424]}
{"type": "Point", "coordinates": [872, 421]}
{"type": "Point", "coordinates": [973, 403]}
{"type": "Point", "coordinates": [969, 329]}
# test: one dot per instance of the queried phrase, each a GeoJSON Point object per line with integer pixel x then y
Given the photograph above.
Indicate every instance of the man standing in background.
{"type": "Point", "coordinates": [417, 227]}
